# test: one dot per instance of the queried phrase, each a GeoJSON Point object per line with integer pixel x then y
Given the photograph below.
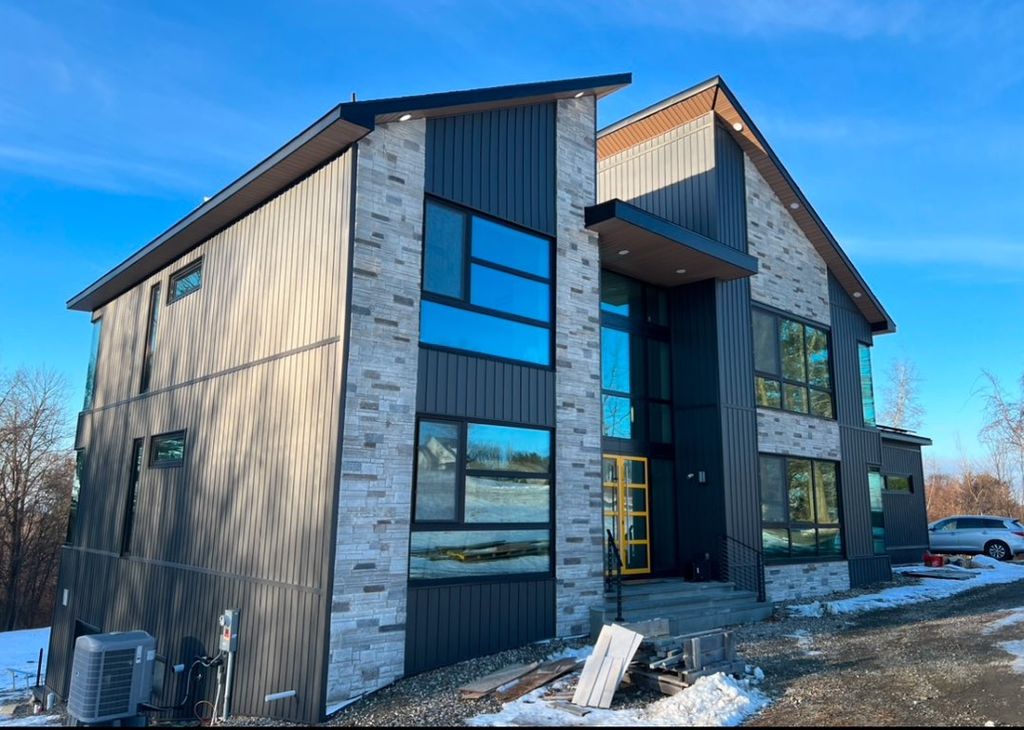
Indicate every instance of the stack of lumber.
{"type": "Point", "coordinates": [516, 680]}
{"type": "Point", "coordinates": [671, 663]}
{"type": "Point", "coordinates": [606, 666]}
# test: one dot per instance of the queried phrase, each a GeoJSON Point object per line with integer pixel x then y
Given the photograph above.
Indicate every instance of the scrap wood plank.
{"type": "Point", "coordinates": [667, 684]}
{"type": "Point", "coordinates": [606, 666]}
{"type": "Point", "coordinates": [569, 707]}
{"type": "Point", "coordinates": [487, 684]}
{"type": "Point", "coordinates": [941, 573]}
{"type": "Point", "coordinates": [544, 674]}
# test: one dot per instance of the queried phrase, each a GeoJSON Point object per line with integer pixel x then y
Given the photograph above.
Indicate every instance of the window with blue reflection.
{"type": "Point", "coordinates": [464, 329]}
{"type": "Point", "coordinates": [94, 356]}
{"type": "Point", "coordinates": [508, 448]}
{"type": "Point", "coordinates": [505, 292]}
{"type": "Point", "coordinates": [511, 247]}
{"type": "Point", "coordinates": [504, 309]}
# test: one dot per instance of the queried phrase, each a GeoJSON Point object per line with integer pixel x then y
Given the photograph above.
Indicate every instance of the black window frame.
{"type": "Point", "coordinates": [459, 524]}
{"type": "Point", "coordinates": [898, 475]}
{"type": "Point", "coordinates": [875, 469]}
{"type": "Point", "coordinates": [778, 316]}
{"type": "Point", "coordinates": [788, 524]}
{"type": "Point", "coordinates": [149, 345]}
{"type": "Point", "coordinates": [167, 463]}
{"type": "Point", "coordinates": [863, 346]}
{"type": "Point", "coordinates": [181, 273]}
{"type": "Point", "coordinates": [468, 261]}
{"type": "Point", "coordinates": [132, 493]}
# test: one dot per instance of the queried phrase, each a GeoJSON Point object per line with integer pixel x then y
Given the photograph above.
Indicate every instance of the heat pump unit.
{"type": "Point", "coordinates": [111, 674]}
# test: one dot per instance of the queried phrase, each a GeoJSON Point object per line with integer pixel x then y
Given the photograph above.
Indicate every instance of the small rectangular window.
{"type": "Point", "coordinates": [897, 483]}
{"type": "Point", "coordinates": [185, 281]}
{"type": "Point", "coordinates": [460, 554]}
{"type": "Point", "coordinates": [167, 450]}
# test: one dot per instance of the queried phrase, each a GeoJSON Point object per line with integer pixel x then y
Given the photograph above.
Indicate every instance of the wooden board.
{"type": "Point", "coordinates": [485, 685]}
{"type": "Point", "coordinates": [941, 573]}
{"type": "Point", "coordinates": [545, 673]}
{"type": "Point", "coordinates": [606, 666]}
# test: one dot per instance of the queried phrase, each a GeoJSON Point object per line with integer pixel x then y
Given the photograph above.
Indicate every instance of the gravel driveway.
{"type": "Point", "coordinates": [928, 664]}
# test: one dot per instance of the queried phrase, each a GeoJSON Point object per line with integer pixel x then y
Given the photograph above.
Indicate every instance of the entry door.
{"type": "Point", "coordinates": [627, 510]}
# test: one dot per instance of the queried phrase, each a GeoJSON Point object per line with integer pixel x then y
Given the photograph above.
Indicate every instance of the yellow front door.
{"type": "Point", "coordinates": [626, 510]}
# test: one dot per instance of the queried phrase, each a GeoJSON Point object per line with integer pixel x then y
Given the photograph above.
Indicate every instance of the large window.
{"type": "Point", "coordinates": [483, 500]}
{"type": "Point", "coordinates": [486, 287]}
{"type": "Point", "coordinates": [791, 363]}
{"type": "Point", "coordinates": [799, 509]}
{"type": "Point", "coordinates": [867, 387]}
{"type": "Point", "coordinates": [185, 281]}
{"type": "Point", "coordinates": [876, 483]}
{"type": "Point", "coordinates": [150, 344]}
{"type": "Point", "coordinates": [636, 386]}
{"type": "Point", "coordinates": [94, 356]}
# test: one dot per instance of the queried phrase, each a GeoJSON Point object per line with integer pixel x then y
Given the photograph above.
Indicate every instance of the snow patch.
{"type": "Point", "coordinates": [1015, 616]}
{"type": "Point", "coordinates": [715, 700]}
{"type": "Point", "coordinates": [1015, 649]}
{"type": "Point", "coordinates": [30, 720]}
{"type": "Point", "coordinates": [929, 589]}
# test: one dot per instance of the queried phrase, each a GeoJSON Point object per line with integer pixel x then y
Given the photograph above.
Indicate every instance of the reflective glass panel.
{"type": "Point", "coordinates": [766, 343]}
{"type": "Point", "coordinates": [817, 357]}
{"type": "Point", "coordinates": [458, 554]}
{"type": "Point", "coordinates": [775, 542]}
{"type": "Point", "coordinates": [793, 366]}
{"type": "Point", "coordinates": [830, 543]}
{"type": "Point", "coordinates": [897, 483]}
{"type": "Point", "coordinates": [826, 492]}
{"type": "Point", "coordinates": [511, 247]}
{"type": "Point", "coordinates": [616, 360]}
{"type": "Point", "coordinates": [187, 281]}
{"type": "Point", "coordinates": [443, 250]}
{"type": "Point", "coordinates": [509, 293]}
{"type": "Point", "coordinates": [620, 295]}
{"type": "Point", "coordinates": [617, 420]}
{"type": "Point", "coordinates": [821, 403]}
{"type": "Point", "coordinates": [505, 448]}
{"type": "Point", "coordinates": [867, 389]}
{"type": "Point", "coordinates": [465, 330]}
{"type": "Point", "coordinates": [768, 392]}
{"type": "Point", "coordinates": [94, 354]}
{"type": "Point", "coordinates": [437, 469]}
{"type": "Point", "coordinates": [801, 507]}
{"type": "Point", "coordinates": [773, 489]}
{"type": "Point", "coordinates": [661, 423]}
{"type": "Point", "coordinates": [658, 360]}
{"type": "Point", "coordinates": [167, 449]}
{"type": "Point", "coordinates": [803, 542]}
{"type": "Point", "coordinates": [507, 499]}
{"type": "Point", "coordinates": [794, 398]}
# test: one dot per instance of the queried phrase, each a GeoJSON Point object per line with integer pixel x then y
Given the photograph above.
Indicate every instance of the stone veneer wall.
{"type": "Point", "coordinates": [368, 609]}
{"type": "Point", "coordinates": [792, 276]}
{"type": "Point", "coordinates": [781, 432]}
{"type": "Point", "coordinates": [578, 521]}
{"type": "Point", "coordinates": [806, 580]}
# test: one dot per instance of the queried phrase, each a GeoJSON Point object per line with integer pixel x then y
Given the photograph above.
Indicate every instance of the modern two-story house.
{"type": "Point", "coordinates": [408, 391]}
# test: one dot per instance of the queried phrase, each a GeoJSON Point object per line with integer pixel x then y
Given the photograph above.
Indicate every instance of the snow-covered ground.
{"type": "Point", "coordinates": [19, 650]}
{"type": "Point", "coordinates": [991, 572]}
{"type": "Point", "coordinates": [717, 700]}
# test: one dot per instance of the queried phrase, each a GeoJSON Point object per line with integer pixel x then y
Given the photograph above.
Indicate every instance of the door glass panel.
{"type": "Point", "coordinates": [637, 528]}
{"type": "Point", "coordinates": [636, 558]}
{"type": "Point", "coordinates": [637, 500]}
{"type": "Point", "coordinates": [611, 471]}
{"type": "Point", "coordinates": [626, 506]}
{"type": "Point", "coordinates": [636, 471]}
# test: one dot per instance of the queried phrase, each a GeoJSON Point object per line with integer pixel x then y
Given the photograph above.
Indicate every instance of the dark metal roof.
{"type": "Point", "coordinates": [714, 95]}
{"type": "Point", "coordinates": [658, 248]}
{"type": "Point", "coordinates": [891, 433]}
{"type": "Point", "coordinates": [326, 138]}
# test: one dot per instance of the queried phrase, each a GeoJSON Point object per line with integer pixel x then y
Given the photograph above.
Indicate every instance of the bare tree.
{"type": "Point", "coordinates": [1004, 427]}
{"type": "Point", "coordinates": [900, 395]}
{"type": "Point", "coordinates": [36, 469]}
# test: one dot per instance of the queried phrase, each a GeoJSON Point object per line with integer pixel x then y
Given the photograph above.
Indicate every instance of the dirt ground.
{"type": "Point", "coordinates": [926, 664]}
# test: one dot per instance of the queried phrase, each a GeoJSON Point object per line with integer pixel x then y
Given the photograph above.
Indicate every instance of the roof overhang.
{"type": "Point", "coordinates": [714, 96]}
{"type": "Point", "coordinates": [658, 249]}
{"type": "Point", "coordinates": [903, 436]}
{"type": "Point", "coordinates": [331, 135]}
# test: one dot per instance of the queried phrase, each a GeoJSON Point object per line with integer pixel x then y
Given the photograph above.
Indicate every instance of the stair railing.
{"type": "Point", "coordinates": [743, 565]}
{"type": "Point", "coordinates": [613, 573]}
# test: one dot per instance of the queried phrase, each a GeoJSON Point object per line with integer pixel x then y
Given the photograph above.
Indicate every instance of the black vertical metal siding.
{"type": "Point", "coordinates": [501, 162]}
{"type": "Point", "coordinates": [449, 623]}
{"type": "Point", "coordinates": [861, 446]}
{"type": "Point", "coordinates": [906, 514]}
{"type": "Point", "coordinates": [671, 176]}
{"type": "Point", "coordinates": [731, 186]}
{"type": "Point", "coordinates": [457, 384]}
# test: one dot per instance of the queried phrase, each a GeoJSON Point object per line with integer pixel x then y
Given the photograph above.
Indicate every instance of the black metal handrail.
{"type": "Point", "coordinates": [743, 565]}
{"type": "Point", "coordinates": [613, 561]}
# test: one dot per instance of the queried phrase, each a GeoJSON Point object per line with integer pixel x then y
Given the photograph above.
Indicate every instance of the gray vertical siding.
{"type": "Point", "coordinates": [906, 515]}
{"type": "Point", "coordinates": [450, 623]}
{"type": "Point", "coordinates": [861, 446]}
{"type": "Point", "coordinates": [250, 367]}
{"type": "Point", "coordinates": [501, 162]}
{"type": "Point", "coordinates": [671, 175]}
{"type": "Point", "coordinates": [456, 384]}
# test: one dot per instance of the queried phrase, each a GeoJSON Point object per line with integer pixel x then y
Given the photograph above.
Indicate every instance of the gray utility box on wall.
{"type": "Point", "coordinates": [111, 674]}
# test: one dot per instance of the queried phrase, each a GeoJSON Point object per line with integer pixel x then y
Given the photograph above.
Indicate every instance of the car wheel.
{"type": "Point", "coordinates": [998, 550]}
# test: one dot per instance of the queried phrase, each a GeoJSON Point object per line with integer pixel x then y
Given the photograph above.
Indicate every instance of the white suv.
{"type": "Point", "coordinates": [998, 537]}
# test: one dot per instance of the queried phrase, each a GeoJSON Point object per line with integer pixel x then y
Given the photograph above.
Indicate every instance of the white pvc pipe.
{"type": "Point", "coordinates": [275, 696]}
{"type": "Point", "coordinates": [227, 687]}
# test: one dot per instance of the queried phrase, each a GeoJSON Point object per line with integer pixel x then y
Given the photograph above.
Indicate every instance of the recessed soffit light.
{"type": "Point", "coordinates": [857, 295]}
{"type": "Point", "coordinates": [405, 117]}
{"type": "Point", "coordinates": [738, 126]}
{"type": "Point", "coordinates": [623, 252]}
{"type": "Point", "coordinates": [794, 205]}
{"type": "Point", "coordinates": [680, 271]}
{"type": "Point", "coordinates": [579, 94]}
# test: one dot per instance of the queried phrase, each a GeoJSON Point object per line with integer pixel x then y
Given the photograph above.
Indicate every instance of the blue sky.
{"type": "Point", "coordinates": [902, 122]}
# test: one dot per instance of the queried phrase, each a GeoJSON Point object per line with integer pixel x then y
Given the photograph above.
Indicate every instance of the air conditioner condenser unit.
{"type": "Point", "coordinates": [111, 675]}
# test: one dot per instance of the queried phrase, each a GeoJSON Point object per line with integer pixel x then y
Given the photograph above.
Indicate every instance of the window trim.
{"type": "Point", "coordinates": [167, 463]}
{"type": "Point", "coordinates": [777, 316]}
{"type": "Point", "coordinates": [181, 273]}
{"type": "Point", "coordinates": [789, 524]}
{"type": "Point", "coordinates": [459, 524]}
{"type": "Point", "coordinates": [468, 260]}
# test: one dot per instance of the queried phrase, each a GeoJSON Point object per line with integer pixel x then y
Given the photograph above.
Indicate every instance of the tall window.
{"type": "Point", "coordinates": [791, 364]}
{"type": "Point", "coordinates": [76, 490]}
{"type": "Point", "coordinates": [867, 387]}
{"type": "Point", "coordinates": [799, 509]}
{"type": "Point", "coordinates": [636, 387]}
{"type": "Point", "coordinates": [486, 287]}
{"type": "Point", "coordinates": [876, 483]}
{"type": "Point", "coordinates": [94, 355]}
{"type": "Point", "coordinates": [132, 497]}
{"type": "Point", "coordinates": [150, 346]}
{"type": "Point", "coordinates": [483, 500]}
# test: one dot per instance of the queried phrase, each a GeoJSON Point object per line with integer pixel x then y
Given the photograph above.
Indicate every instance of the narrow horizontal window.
{"type": "Point", "coordinates": [167, 450]}
{"type": "Point", "coordinates": [495, 499]}
{"type": "Point", "coordinates": [505, 292]}
{"type": "Point", "coordinates": [460, 554]}
{"type": "Point", "coordinates": [511, 247]}
{"type": "Point", "coordinates": [895, 483]}
{"type": "Point", "coordinates": [465, 329]}
{"type": "Point", "coordinates": [506, 448]}
{"type": "Point", "coordinates": [185, 281]}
